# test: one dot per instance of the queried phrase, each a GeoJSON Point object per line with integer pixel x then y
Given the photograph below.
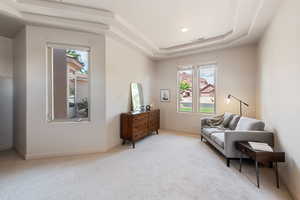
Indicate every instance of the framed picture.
{"type": "Point", "coordinates": [164, 95]}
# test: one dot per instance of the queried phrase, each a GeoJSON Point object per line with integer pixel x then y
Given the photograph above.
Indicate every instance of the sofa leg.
{"type": "Point", "coordinates": [228, 162]}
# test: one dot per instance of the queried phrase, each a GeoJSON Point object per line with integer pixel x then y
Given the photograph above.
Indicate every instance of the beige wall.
{"type": "Point", "coordinates": [123, 66]}
{"type": "Point", "coordinates": [62, 138]}
{"type": "Point", "coordinates": [236, 75]}
{"type": "Point", "coordinates": [114, 66]}
{"type": "Point", "coordinates": [279, 82]}
{"type": "Point", "coordinates": [6, 93]}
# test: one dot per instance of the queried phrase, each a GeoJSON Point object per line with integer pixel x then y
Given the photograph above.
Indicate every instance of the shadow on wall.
{"type": "Point", "coordinates": [113, 128]}
{"type": "Point", "coordinates": [113, 124]}
{"type": "Point", "coordinates": [290, 171]}
{"type": "Point", "coordinates": [6, 109]}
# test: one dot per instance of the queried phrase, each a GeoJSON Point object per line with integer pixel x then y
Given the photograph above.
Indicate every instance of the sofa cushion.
{"type": "Point", "coordinates": [218, 138]}
{"type": "Point", "coordinates": [226, 119]}
{"type": "Point", "coordinates": [250, 124]}
{"type": "Point", "coordinates": [234, 121]}
{"type": "Point", "coordinates": [209, 131]}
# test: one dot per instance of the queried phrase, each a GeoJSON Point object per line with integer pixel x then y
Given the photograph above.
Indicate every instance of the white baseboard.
{"type": "Point", "coordinates": [35, 156]}
{"type": "Point", "coordinates": [178, 132]}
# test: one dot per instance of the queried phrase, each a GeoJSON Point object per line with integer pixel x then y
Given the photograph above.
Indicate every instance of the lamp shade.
{"type": "Point", "coordinates": [228, 99]}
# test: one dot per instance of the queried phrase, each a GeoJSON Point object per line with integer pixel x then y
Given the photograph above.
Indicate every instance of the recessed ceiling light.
{"type": "Point", "coordinates": [184, 30]}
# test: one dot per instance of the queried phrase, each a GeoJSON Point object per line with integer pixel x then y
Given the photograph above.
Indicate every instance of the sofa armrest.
{"type": "Point", "coordinates": [231, 137]}
{"type": "Point", "coordinates": [204, 121]}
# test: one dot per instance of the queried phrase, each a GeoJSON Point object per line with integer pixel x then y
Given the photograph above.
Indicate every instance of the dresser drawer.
{"type": "Point", "coordinates": [142, 122]}
{"type": "Point", "coordinates": [140, 117]}
{"type": "Point", "coordinates": [137, 136]}
{"type": "Point", "coordinates": [140, 129]}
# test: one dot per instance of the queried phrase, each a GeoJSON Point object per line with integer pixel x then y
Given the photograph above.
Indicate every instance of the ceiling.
{"type": "Point", "coordinates": [154, 26]}
{"type": "Point", "coordinates": [161, 20]}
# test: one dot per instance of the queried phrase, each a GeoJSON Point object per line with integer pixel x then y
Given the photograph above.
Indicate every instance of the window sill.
{"type": "Point", "coordinates": [196, 113]}
{"type": "Point", "coordinates": [69, 121]}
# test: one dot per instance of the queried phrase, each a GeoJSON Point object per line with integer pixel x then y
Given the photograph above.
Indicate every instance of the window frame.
{"type": "Point", "coordinates": [196, 86]}
{"type": "Point", "coordinates": [50, 85]}
{"type": "Point", "coordinates": [190, 67]}
{"type": "Point", "coordinates": [206, 66]}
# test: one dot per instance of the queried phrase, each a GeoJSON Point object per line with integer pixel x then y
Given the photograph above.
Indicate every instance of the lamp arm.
{"type": "Point", "coordinates": [240, 100]}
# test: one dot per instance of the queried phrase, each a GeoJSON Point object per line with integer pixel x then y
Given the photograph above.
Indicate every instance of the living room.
{"type": "Point", "coordinates": [76, 75]}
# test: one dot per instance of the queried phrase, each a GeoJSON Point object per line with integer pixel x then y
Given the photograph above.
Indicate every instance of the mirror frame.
{"type": "Point", "coordinates": [136, 107]}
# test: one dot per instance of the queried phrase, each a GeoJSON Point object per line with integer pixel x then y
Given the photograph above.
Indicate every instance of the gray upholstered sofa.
{"type": "Point", "coordinates": [234, 128]}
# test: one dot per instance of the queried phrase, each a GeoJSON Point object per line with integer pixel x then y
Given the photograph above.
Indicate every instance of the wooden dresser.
{"type": "Point", "coordinates": [135, 126]}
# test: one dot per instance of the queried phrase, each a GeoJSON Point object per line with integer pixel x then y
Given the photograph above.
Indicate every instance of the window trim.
{"type": "Point", "coordinates": [50, 86]}
{"type": "Point", "coordinates": [195, 73]}
{"type": "Point", "coordinates": [178, 88]}
{"type": "Point", "coordinates": [199, 67]}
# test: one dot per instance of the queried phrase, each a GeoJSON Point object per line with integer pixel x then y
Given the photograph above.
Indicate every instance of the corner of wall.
{"type": "Point", "coordinates": [6, 93]}
{"type": "Point", "coordinates": [19, 65]}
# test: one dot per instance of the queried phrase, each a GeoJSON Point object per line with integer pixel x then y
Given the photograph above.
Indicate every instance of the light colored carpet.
{"type": "Point", "coordinates": [163, 167]}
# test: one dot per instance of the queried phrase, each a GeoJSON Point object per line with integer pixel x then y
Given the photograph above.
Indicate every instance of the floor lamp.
{"type": "Point", "coordinates": [240, 101]}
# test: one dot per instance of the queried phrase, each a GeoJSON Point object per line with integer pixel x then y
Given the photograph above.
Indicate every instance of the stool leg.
{"type": "Point", "coordinates": [257, 173]}
{"type": "Point", "coordinates": [277, 177]}
{"type": "Point", "coordinates": [271, 165]}
{"type": "Point", "coordinates": [241, 160]}
{"type": "Point", "coordinates": [228, 162]}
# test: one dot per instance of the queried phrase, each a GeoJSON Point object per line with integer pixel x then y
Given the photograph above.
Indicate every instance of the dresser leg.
{"type": "Point", "coordinates": [157, 132]}
{"type": "Point", "coordinates": [133, 144]}
{"type": "Point", "coordinates": [124, 141]}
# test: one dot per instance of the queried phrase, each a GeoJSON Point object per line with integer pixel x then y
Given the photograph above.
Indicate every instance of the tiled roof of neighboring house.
{"type": "Point", "coordinates": [77, 66]}
{"type": "Point", "coordinates": [74, 63]}
{"type": "Point", "coordinates": [203, 82]}
{"type": "Point", "coordinates": [208, 89]}
{"type": "Point", "coordinates": [188, 77]}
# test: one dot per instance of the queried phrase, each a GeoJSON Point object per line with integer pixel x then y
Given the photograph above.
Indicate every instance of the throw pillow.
{"type": "Point", "coordinates": [233, 123]}
{"type": "Point", "coordinates": [215, 121]}
{"type": "Point", "coordinates": [250, 124]}
{"type": "Point", "coordinates": [227, 118]}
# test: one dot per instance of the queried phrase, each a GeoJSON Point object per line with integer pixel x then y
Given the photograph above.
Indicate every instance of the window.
{"type": "Point", "coordinates": [185, 81]}
{"type": "Point", "coordinates": [68, 92]}
{"type": "Point", "coordinates": [200, 81]}
{"type": "Point", "coordinates": [207, 89]}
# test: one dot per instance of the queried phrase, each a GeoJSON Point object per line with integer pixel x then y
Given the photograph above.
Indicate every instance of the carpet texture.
{"type": "Point", "coordinates": [169, 166]}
